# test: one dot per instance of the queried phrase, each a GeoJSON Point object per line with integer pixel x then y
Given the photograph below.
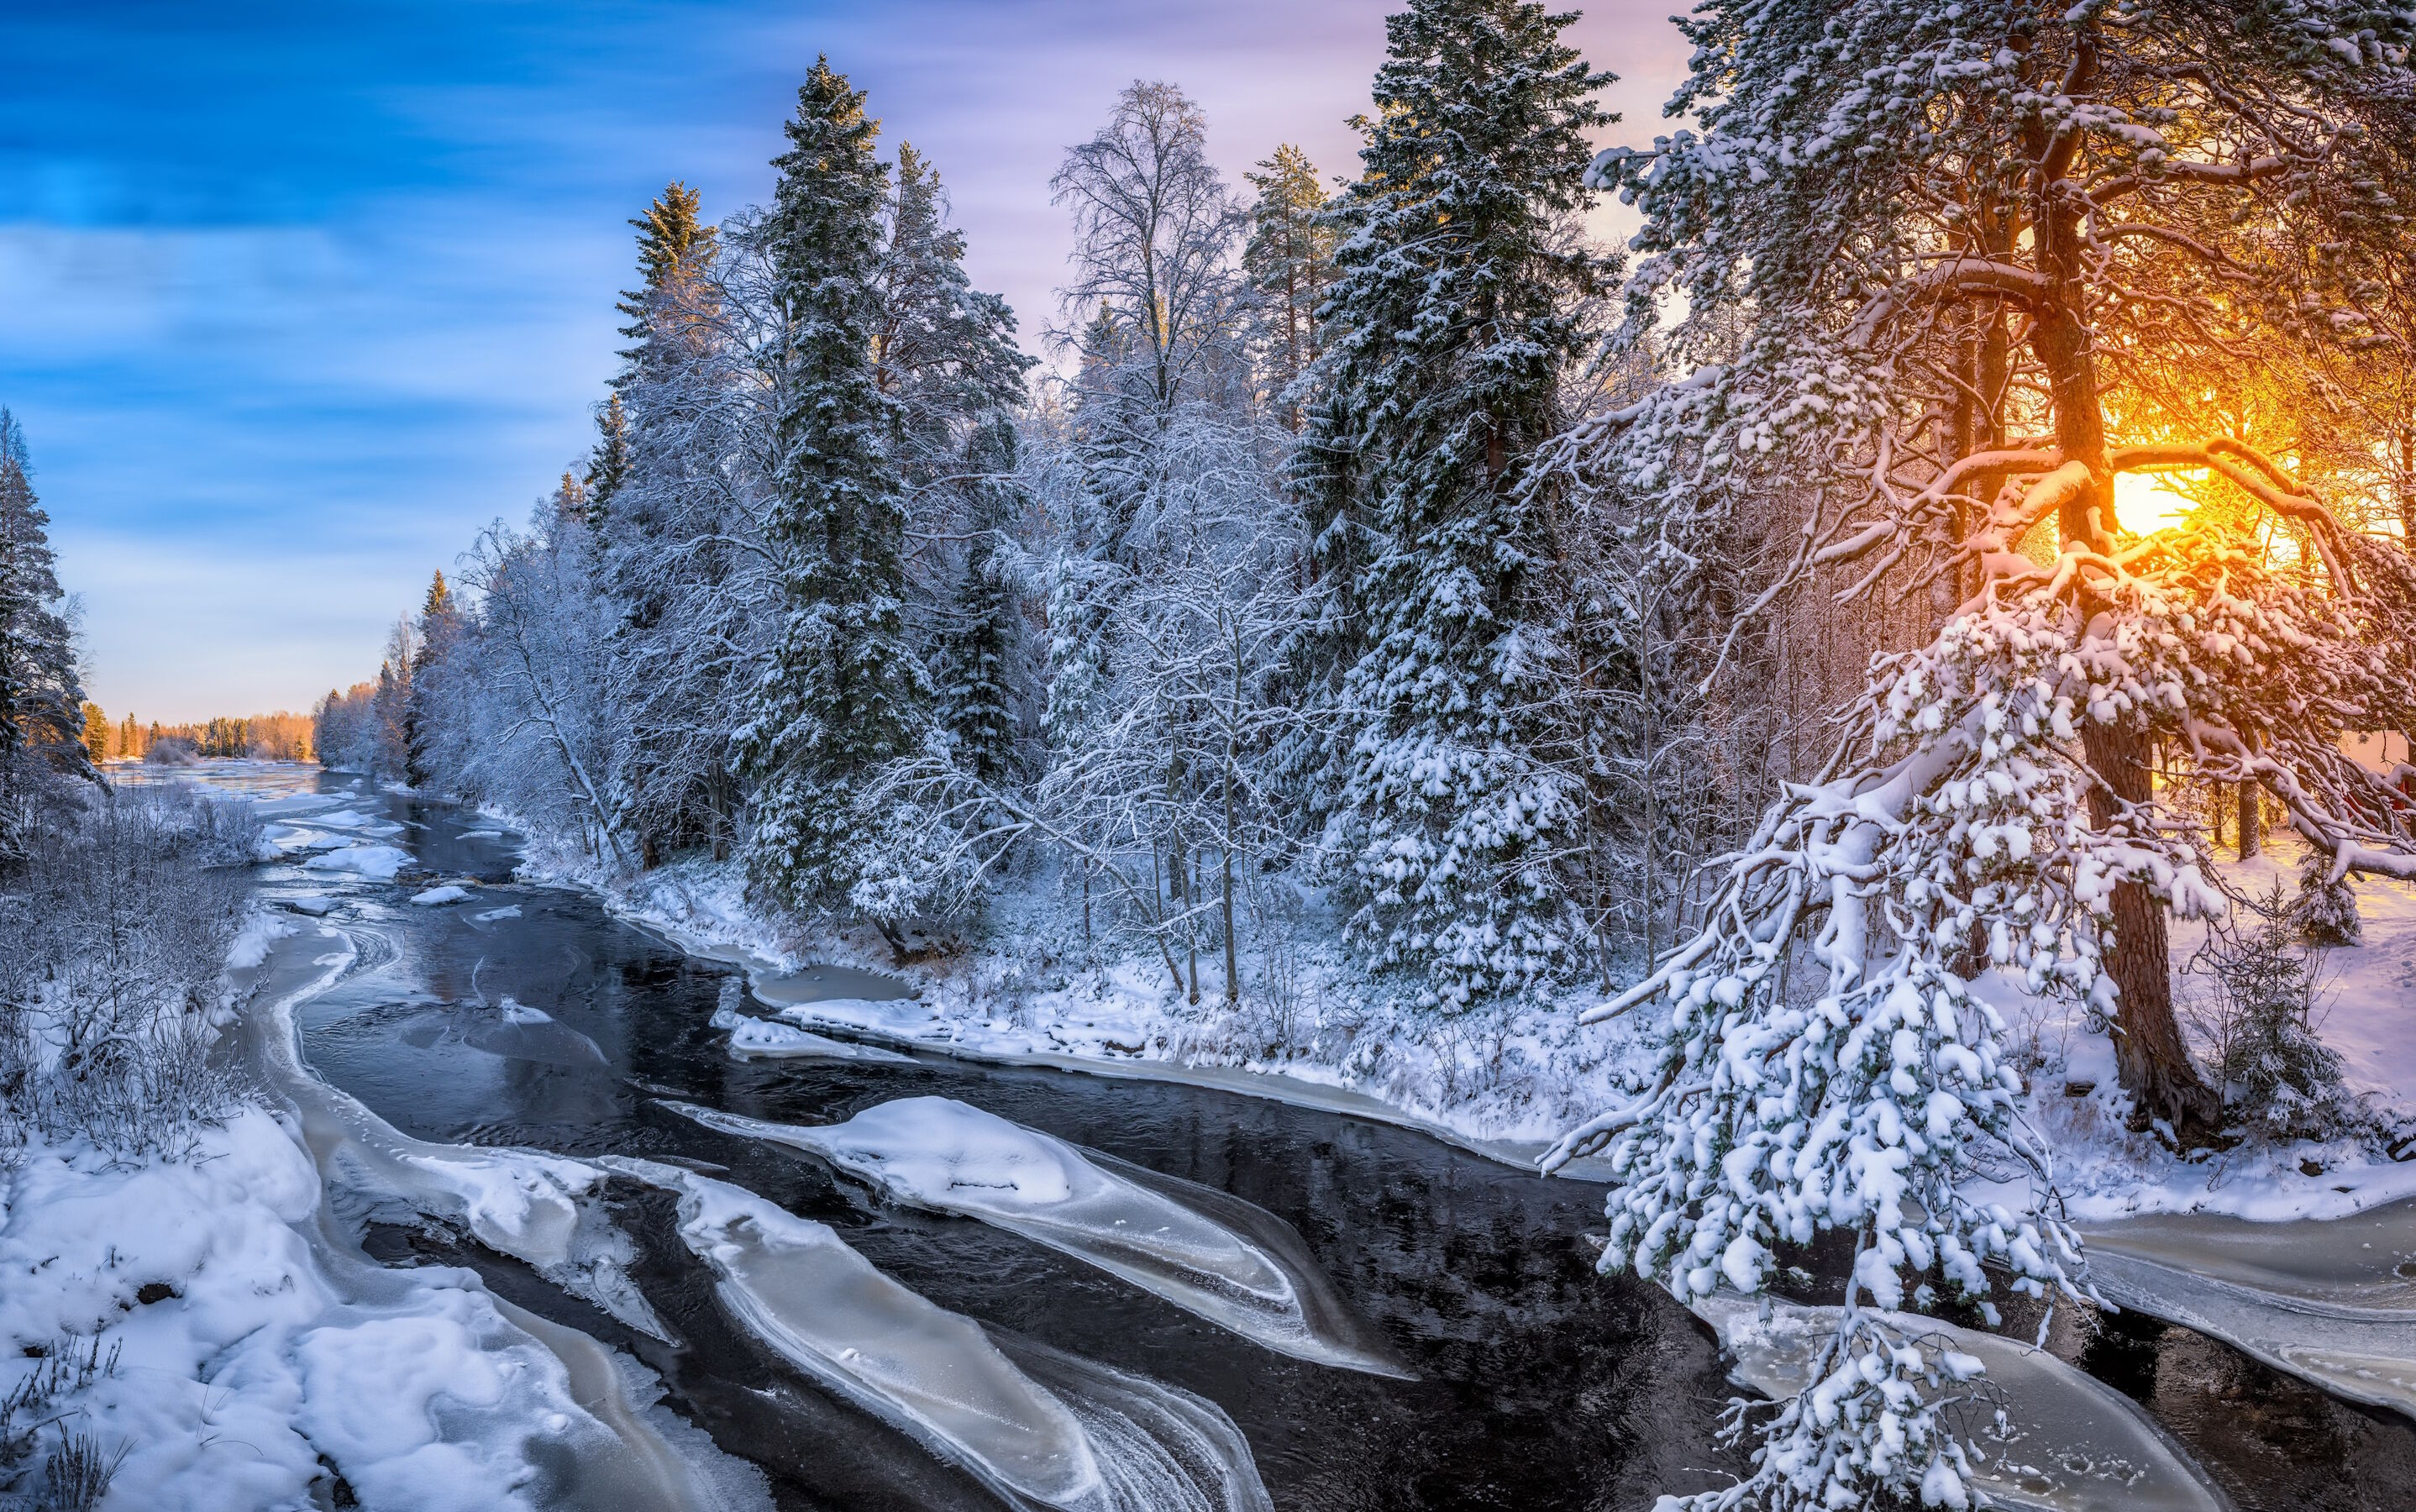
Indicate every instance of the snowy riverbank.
{"type": "Point", "coordinates": [197, 1332]}
{"type": "Point", "coordinates": [1503, 1082]}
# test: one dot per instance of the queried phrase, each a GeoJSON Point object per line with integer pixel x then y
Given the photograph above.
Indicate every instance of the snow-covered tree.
{"type": "Point", "coordinates": [42, 696]}
{"type": "Point", "coordinates": [1450, 325]}
{"type": "Point", "coordinates": [518, 703]}
{"type": "Point", "coordinates": [943, 350]}
{"type": "Point", "coordinates": [607, 464]}
{"type": "Point", "coordinates": [981, 629]}
{"type": "Point", "coordinates": [844, 692]}
{"type": "Point", "coordinates": [1289, 260]}
{"type": "Point", "coordinates": [1948, 270]}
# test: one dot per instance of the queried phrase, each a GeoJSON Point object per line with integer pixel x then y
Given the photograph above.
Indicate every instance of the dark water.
{"type": "Point", "coordinates": [1541, 1385]}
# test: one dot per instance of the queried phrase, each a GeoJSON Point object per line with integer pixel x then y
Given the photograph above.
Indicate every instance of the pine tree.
{"type": "Point", "coordinates": [942, 349]}
{"type": "Point", "coordinates": [1450, 327]}
{"type": "Point", "coordinates": [96, 732]}
{"type": "Point", "coordinates": [843, 693]}
{"type": "Point", "coordinates": [674, 246]}
{"type": "Point", "coordinates": [41, 698]}
{"type": "Point", "coordinates": [1949, 270]}
{"type": "Point", "coordinates": [608, 464]}
{"type": "Point", "coordinates": [977, 645]}
{"type": "Point", "coordinates": [1290, 261]}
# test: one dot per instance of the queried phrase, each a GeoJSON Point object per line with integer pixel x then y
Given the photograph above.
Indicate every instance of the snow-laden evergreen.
{"type": "Point", "coordinates": [844, 692]}
{"type": "Point", "coordinates": [1451, 318]}
{"type": "Point", "coordinates": [41, 694]}
{"type": "Point", "coordinates": [1948, 271]}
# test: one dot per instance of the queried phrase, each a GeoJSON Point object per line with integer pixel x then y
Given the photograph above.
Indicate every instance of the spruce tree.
{"type": "Point", "coordinates": [843, 692]}
{"type": "Point", "coordinates": [608, 464]}
{"type": "Point", "coordinates": [977, 645]}
{"type": "Point", "coordinates": [1449, 328]}
{"type": "Point", "coordinates": [438, 626]}
{"type": "Point", "coordinates": [673, 244]}
{"type": "Point", "coordinates": [1289, 260]}
{"type": "Point", "coordinates": [41, 698]}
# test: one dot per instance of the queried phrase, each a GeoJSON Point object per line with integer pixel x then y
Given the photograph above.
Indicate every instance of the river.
{"type": "Point", "coordinates": [1537, 1385]}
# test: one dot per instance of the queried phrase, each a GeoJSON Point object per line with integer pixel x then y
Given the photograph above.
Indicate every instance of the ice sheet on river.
{"type": "Point", "coordinates": [511, 1029]}
{"type": "Point", "coordinates": [2077, 1445]}
{"type": "Point", "coordinates": [424, 1388]}
{"type": "Point", "coordinates": [1122, 1445]}
{"type": "Point", "coordinates": [753, 1038]}
{"type": "Point", "coordinates": [941, 1154]}
{"type": "Point", "coordinates": [2332, 1301]}
{"type": "Point", "coordinates": [377, 862]}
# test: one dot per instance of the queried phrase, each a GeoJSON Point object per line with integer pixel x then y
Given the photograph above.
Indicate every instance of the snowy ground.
{"type": "Point", "coordinates": [2366, 1003]}
{"type": "Point", "coordinates": [202, 1327]}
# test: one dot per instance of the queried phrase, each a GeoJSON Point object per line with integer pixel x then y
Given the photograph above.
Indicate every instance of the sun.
{"type": "Point", "coordinates": [2143, 504]}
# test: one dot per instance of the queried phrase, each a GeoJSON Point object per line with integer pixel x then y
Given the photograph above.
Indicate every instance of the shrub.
{"type": "Point", "coordinates": [2326, 910]}
{"type": "Point", "coordinates": [2280, 1081]}
{"type": "Point", "coordinates": [114, 923]}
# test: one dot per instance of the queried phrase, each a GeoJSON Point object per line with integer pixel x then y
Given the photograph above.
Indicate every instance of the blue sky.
{"type": "Point", "coordinates": [293, 298]}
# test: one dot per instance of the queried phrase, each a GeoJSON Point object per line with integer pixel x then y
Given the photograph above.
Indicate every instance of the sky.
{"type": "Point", "coordinates": [294, 298]}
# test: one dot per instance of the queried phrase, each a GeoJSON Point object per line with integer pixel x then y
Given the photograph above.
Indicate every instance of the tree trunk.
{"type": "Point", "coordinates": [2150, 1056]}
{"type": "Point", "coordinates": [2252, 821]}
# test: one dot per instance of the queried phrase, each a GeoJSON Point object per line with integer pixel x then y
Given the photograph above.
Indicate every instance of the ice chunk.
{"type": "Point", "coordinates": [352, 818]}
{"type": "Point", "coordinates": [941, 1154]}
{"type": "Point", "coordinates": [517, 1032]}
{"type": "Point", "coordinates": [317, 905]}
{"type": "Point", "coordinates": [482, 834]}
{"type": "Point", "coordinates": [2078, 1445]}
{"type": "Point", "coordinates": [434, 897]}
{"type": "Point", "coordinates": [380, 862]}
{"type": "Point", "coordinates": [2330, 1301]}
{"type": "Point", "coordinates": [1101, 1440]}
{"type": "Point", "coordinates": [933, 1373]}
{"type": "Point", "coordinates": [752, 1038]}
{"type": "Point", "coordinates": [509, 911]}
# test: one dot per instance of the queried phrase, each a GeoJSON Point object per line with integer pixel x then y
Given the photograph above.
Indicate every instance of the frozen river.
{"type": "Point", "coordinates": [913, 1282]}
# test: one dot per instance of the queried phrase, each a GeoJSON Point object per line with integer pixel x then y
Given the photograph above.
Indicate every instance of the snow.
{"type": "Point", "coordinates": [936, 1375]}
{"type": "Point", "coordinates": [509, 911]}
{"type": "Point", "coordinates": [2078, 1445]}
{"type": "Point", "coordinates": [482, 834]}
{"type": "Point", "coordinates": [434, 897]}
{"type": "Point", "coordinates": [943, 1155]}
{"type": "Point", "coordinates": [251, 942]}
{"type": "Point", "coordinates": [752, 1038]}
{"type": "Point", "coordinates": [249, 1353]}
{"type": "Point", "coordinates": [316, 905]}
{"type": "Point", "coordinates": [379, 863]}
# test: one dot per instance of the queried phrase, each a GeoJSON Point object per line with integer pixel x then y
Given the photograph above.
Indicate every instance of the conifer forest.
{"type": "Point", "coordinates": [1708, 811]}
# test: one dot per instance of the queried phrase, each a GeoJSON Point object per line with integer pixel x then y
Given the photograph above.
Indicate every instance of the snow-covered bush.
{"type": "Point", "coordinates": [2326, 907]}
{"type": "Point", "coordinates": [2280, 1081]}
{"type": "Point", "coordinates": [113, 931]}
